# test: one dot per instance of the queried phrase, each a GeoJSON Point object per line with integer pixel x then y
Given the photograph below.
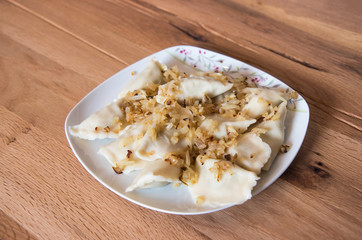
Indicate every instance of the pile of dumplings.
{"type": "Point", "coordinates": [208, 131]}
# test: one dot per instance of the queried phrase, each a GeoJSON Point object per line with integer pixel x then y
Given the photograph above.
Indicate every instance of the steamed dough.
{"type": "Point", "coordinates": [138, 147]}
{"type": "Point", "coordinates": [233, 188]}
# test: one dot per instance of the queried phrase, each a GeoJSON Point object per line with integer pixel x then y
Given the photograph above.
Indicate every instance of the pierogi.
{"type": "Point", "coordinates": [208, 131]}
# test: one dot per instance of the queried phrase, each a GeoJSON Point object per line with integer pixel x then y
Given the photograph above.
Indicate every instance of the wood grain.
{"type": "Point", "coordinates": [52, 53]}
{"type": "Point", "coordinates": [10, 229]}
{"type": "Point", "coordinates": [342, 65]}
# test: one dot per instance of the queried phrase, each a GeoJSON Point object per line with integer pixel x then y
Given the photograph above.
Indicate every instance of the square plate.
{"type": "Point", "coordinates": [189, 59]}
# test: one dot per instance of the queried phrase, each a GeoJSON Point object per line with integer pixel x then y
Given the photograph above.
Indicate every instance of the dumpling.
{"type": "Point", "coordinates": [222, 124]}
{"type": "Point", "coordinates": [274, 136]}
{"type": "Point", "coordinates": [232, 187]}
{"type": "Point", "coordinates": [261, 100]}
{"type": "Point", "coordinates": [105, 123]}
{"type": "Point", "coordinates": [117, 156]}
{"type": "Point", "coordinates": [195, 87]}
{"type": "Point", "coordinates": [121, 153]}
{"type": "Point", "coordinates": [252, 152]}
{"type": "Point", "coordinates": [271, 95]}
{"type": "Point", "coordinates": [155, 174]}
{"type": "Point", "coordinates": [151, 74]}
{"type": "Point", "coordinates": [150, 150]}
{"type": "Point", "coordinates": [198, 86]}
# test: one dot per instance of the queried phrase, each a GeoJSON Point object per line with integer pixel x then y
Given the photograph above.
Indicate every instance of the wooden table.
{"type": "Point", "coordinates": [52, 53]}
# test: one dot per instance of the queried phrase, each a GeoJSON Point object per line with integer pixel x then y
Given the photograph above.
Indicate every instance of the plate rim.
{"type": "Point", "coordinates": [254, 193]}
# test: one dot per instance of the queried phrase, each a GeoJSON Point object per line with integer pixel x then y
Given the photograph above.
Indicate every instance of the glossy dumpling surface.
{"type": "Point", "coordinates": [274, 136]}
{"type": "Point", "coordinates": [261, 100]}
{"type": "Point", "coordinates": [101, 124]}
{"type": "Point", "coordinates": [150, 150]}
{"type": "Point", "coordinates": [223, 123]}
{"type": "Point", "coordinates": [105, 122]}
{"type": "Point", "coordinates": [155, 174]}
{"type": "Point", "coordinates": [233, 187]}
{"type": "Point", "coordinates": [252, 152]}
{"type": "Point", "coordinates": [197, 87]}
{"type": "Point", "coordinates": [121, 153]}
{"type": "Point", "coordinates": [151, 74]}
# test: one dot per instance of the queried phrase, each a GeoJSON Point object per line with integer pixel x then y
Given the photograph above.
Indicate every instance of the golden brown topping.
{"type": "Point", "coordinates": [117, 170]}
{"type": "Point", "coordinates": [150, 153]}
{"type": "Point", "coordinates": [276, 117]}
{"type": "Point", "coordinates": [200, 200]}
{"type": "Point", "coordinates": [107, 129]}
{"type": "Point", "coordinates": [189, 176]}
{"type": "Point", "coordinates": [174, 159]}
{"type": "Point", "coordinates": [258, 131]}
{"type": "Point", "coordinates": [219, 168]}
{"type": "Point", "coordinates": [284, 148]}
{"type": "Point", "coordinates": [175, 138]}
{"type": "Point", "coordinates": [234, 158]}
{"type": "Point", "coordinates": [152, 132]}
{"type": "Point", "coordinates": [293, 95]}
{"type": "Point", "coordinates": [129, 152]}
{"type": "Point", "coordinates": [158, 108]}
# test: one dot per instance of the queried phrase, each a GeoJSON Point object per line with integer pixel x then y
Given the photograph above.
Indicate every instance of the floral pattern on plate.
{"type": "Point", "coordinates": [170, 199]}
{"type": "Point", "coordinates": [205, 60]}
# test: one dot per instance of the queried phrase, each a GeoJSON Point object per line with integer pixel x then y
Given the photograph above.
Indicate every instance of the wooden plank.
{"type": "Point", "coordinates": [100, 24]}
{"type": "Point", "coordinates": [52, 53]}
{"type": "Point", "coordinates": [51, 185]}
{"type": "Point", "coordinates": [47, 40]}
{"type": "Point", "coordinates": [318, 17]}
{"type": "Point", "coordinates": [53, 195]}
{"type": "Point", "coordinates": [10, 229]}
{"type": "Point", "coordinates": [291, 215]}
{"type": "Point", "coordinates": [329, 171]}
{"type": "Point", "coordinates": [47, 76]}
{"type": "Point", "coordinates": [246, 24]}
{"type": "Point", "coordinates": [248, 31]}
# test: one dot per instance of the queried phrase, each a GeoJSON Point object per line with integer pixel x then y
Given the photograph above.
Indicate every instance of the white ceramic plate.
{"type": "Point", "coordinates": [170, 199]}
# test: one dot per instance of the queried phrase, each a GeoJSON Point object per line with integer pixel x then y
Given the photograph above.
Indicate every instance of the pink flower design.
{"type": "Point", "coordinates": [257, 80]}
